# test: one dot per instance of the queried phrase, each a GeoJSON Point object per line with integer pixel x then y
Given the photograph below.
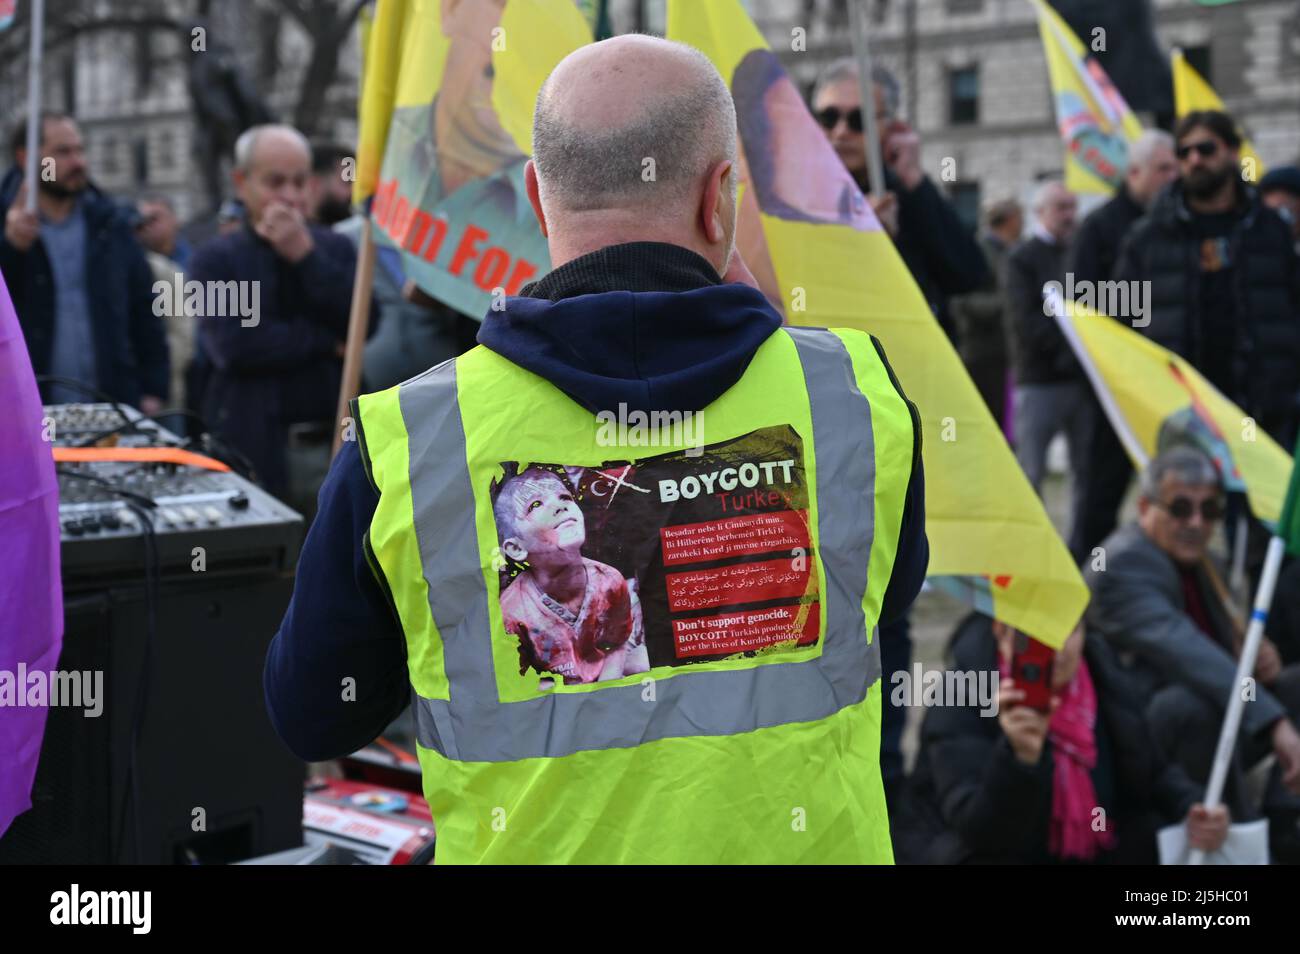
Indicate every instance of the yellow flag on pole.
{"type": "Point", "coordinates": [811, 238]}
{"type": "Point", "coordinates": [1192, 93]}
{"type": "Point", "coordinates": [1095, 123]}
{"type": "Point", "coordinates": [446, 128]}
{"type": "Point", "coordinates": [1155, 399]}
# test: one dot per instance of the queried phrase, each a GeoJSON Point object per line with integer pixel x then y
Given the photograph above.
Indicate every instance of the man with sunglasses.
{"type": "Point", "coordinates": [1154, 600]}
{"type": "Point", "coordinates": [937, 247]}
{"type": "Point", "coordinates": [1225, 286]}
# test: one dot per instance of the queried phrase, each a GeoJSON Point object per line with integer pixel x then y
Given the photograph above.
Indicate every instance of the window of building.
{"type": "Point", "coordinates": [140, 161]}
{"type": "Point", "coordinates": [959, 7]}
{"type": "Point", "coordinates": [166, 154]}
{"type": "Point", "coordinates": [963, 95]}
{"type": "Point", "coordinates": [108, 156]}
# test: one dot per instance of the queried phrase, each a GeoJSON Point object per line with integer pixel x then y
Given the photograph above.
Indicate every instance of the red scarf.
{"type": "Point", "coordinates": [1074, 755]}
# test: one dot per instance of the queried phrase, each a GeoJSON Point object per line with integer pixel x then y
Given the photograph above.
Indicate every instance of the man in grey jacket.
{"type": "Point", "coordinates": [1152, 599]}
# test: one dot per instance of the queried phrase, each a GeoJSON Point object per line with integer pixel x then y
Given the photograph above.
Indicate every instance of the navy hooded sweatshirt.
{"type": "Point", "coordinates": [645, 324]}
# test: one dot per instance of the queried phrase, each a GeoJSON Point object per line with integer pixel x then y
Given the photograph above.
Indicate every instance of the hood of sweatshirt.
{"type": "Point", "coordinates": [645, 324]}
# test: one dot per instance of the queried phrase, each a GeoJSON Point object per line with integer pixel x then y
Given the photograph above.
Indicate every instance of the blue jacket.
{"type": "Point", "coordinates": [601, 347]}
{"type": "Point", "coordinates": [130, 340]}
{"type": "Point", "coordinates": [282, 369]}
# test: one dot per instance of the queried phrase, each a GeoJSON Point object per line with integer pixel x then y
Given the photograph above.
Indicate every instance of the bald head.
{"type": "Point", "coordinates": [631, 129]}
{"type": "Point", "coordinates": [272, 164]}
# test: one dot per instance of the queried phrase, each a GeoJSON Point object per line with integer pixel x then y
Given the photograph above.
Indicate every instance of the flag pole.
{"type": "Point", "coordinates": [35, 64]}
{"type": "Point", "coordinates": [862, 53]}
{"type": "Point", "coordinates": [358, 325]}
{"type": "Point", "coordinates": [1249, 652]}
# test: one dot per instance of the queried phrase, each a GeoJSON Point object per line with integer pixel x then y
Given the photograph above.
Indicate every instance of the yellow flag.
{"type": "Point", "coordinates": [383, 54]}
{"type": "Point", "coordinates": [1191, 93]}
{"type": "Point", "coordinates": [1095, 123]}
{"type": "Point", "coordinates": [1155, 399]}
{"type": "Point", "coordinates": [446, 129]}
{"type": "Point", "coordinates": [809, 236]}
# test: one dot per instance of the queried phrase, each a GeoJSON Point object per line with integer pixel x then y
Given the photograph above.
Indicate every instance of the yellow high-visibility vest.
{"type": "Point", "coordinates": [714, 694]}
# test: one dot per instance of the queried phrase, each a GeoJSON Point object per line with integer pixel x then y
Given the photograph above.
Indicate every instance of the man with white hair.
{"type": "Point", "coordinates": [1153, 599]}
{"type": "Point", "coordinates": [275, 371]}
{"type": "Point", "coordinates": [1051, 394]}
{"type": "Point", "coordinates": [1092, 257]}
{"type": "Point", "coordinates": [763, 555]}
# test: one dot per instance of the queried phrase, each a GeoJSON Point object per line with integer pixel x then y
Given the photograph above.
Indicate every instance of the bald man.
{"type": "Point", "coordinates": [408, 575]}
{"type": "Point", "coordinates": [276, 363]}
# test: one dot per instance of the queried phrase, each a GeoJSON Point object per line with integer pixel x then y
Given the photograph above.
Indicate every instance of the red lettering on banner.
{"type": "Point", "coordinates": [467, 249]}
{"type": "Point", "coordinates": [435, 240]}
{"type": "Point", "coordinates": [746, 630]}
{"type": "Point", "coordinates": [492, 268]}
{"type": "Point", "coordinates": [413, 234]}
{"type": "Point", "coordinates": [400, 210]}
{"type": "Point", "coordinates": [524, 270]}
{"type": "Point", "coordinates": [384, 202]}
{"type": "Point", "coordinates": [734, 536]}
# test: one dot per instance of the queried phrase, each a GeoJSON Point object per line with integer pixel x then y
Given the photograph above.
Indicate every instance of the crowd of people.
{"type": "Point", "coordinates": [1140, 687]}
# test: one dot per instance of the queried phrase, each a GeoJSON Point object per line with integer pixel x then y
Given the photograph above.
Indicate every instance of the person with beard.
{"type": "Point", "coordinates": [79, 280]}
{"type": "Point", "coordinates": [330, 188]}
{"type": "Point", "coordinates": [1225, 286]}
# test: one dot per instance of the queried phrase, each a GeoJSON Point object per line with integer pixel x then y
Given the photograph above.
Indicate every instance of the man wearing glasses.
{"type": "Point", "coordinates": [938, 249]}
{"type": "Point", "coordinates": [1225, 287]}
{"type": "Point", "coordinates": [1153, 599]}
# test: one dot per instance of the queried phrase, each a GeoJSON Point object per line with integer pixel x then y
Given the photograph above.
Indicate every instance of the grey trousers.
{"type": "Point", "coordinates": [1041, 412]}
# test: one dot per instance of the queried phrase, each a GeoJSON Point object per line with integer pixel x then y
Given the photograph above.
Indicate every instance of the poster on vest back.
{"type": "Point", "coordinates": [672, 560]}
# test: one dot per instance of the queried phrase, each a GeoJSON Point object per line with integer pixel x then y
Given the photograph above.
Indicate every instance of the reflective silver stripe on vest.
{"type": "Point", "coordinates": [474, 726]}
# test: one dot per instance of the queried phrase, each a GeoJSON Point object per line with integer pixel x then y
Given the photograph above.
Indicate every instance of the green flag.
{"type": "Point", "coordinates": [1288, 524]}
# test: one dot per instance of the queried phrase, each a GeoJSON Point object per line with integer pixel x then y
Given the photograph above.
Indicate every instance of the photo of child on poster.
{"type": "Point", "coordinates": [573, 616]}
{"type": "Point", "coordinates": [669, 560]}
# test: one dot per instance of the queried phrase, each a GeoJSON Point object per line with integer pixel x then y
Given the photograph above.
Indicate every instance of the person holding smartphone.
{"type": "Point", "coordinates": [1076, 780]}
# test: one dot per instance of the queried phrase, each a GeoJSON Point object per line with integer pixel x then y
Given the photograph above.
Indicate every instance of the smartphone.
{"type": "Point", "coordinates": [1031, 671]}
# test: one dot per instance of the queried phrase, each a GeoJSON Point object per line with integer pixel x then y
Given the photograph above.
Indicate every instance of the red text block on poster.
{"type": "Point", "coordinates": [734, 536]}
{"type": "Point", "coordinates": [746, 631]}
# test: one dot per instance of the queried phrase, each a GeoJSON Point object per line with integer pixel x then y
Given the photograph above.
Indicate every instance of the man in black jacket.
{"type": "Point", "coordinates": [280, 369]}
{"type": "Point", "coordinates": [1051, 394]}
{"type": "Point", "coordinates": [1091, 259]}
{"type": "Point", "coordinates": [1225, 286]}
{"type": "Point", "coordinates": [79, 280]}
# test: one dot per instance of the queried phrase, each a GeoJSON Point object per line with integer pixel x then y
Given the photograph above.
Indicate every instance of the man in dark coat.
{"type": "Point", "coordinates": [1225, 284]}
{"type": "Point", "coordinates": [281, 366]}
{"type": "Point", "coordinates": [79, 280]}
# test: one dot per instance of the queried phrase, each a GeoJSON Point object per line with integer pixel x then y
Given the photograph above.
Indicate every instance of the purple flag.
{"type": "Point", "coordinates": [31, 593]}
